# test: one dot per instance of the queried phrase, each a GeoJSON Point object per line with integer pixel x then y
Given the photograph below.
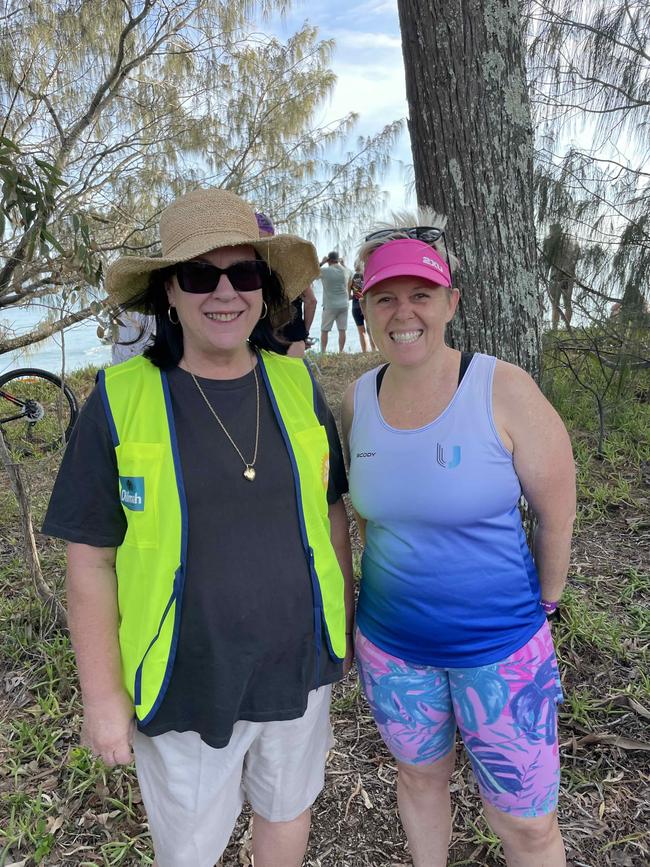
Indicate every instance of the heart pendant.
{"type": "Point", "coordinates": [249, 473]}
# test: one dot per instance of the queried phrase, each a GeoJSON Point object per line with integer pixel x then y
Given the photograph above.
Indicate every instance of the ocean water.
{"type": "Point", "coordinates": [80, 345]}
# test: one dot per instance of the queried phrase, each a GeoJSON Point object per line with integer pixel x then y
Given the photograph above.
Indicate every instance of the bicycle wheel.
{"type": "Point", "coordinates": [37, 411]}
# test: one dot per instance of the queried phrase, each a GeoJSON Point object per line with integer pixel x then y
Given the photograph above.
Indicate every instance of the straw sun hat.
{"type": "Point", "coordinates": [205, 220]}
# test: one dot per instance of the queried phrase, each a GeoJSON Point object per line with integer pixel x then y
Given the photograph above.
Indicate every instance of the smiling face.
{"type": "Point", "coordinates": [407, 318]}
{"type": "Point", "coordinates": [218, 323]}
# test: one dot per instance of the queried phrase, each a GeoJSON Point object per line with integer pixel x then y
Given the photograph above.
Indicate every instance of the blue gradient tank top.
{"type": "Point", "coordinates": [447, 577]}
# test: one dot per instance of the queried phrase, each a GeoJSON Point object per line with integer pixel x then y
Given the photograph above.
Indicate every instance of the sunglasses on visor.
{"type": "Point", "coordinates": [427, 234]}
{"type": "Point", "coordinates": [200, 278]}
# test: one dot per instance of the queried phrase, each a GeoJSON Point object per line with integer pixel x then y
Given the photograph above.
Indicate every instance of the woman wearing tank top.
{"type": "Point", "coordinates": [452, 625]}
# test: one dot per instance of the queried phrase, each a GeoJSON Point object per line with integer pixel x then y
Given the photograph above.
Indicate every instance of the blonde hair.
{"type": "Point", "coordinates": [400, 220]}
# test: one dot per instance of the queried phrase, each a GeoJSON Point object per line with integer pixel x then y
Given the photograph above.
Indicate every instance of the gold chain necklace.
{"type": "Point", "coordinates": [249, 468]}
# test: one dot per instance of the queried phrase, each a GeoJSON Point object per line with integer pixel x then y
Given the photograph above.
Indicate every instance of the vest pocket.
{"type": "Point", "coordinates": [139, 466]}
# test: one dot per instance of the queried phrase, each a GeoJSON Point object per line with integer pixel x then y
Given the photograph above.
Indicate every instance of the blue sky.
{"type": "Point", "coordinates": [369, 67]}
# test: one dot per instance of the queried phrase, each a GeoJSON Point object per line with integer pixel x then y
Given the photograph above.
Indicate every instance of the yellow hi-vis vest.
{"type": "Point", "coordinates": [151, 561]}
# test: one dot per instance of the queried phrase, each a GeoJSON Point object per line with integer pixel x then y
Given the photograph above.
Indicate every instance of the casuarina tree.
{"type": "Point", "coordinates": [472, 144]}
{"type": "Point", "coordinates": [589, 68]}
{"type": "Point", "coordinates": [110, 108]}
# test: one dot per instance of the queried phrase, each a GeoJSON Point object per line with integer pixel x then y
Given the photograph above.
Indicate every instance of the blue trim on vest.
{"type": "Point", "coordinates": [179, 577]}
{"type": "Point", "coordinates": [137, 683]}
{"type": "Point", "coordinates": [101, 382]}
{"type": "Point", "coordinates": [315, 584]}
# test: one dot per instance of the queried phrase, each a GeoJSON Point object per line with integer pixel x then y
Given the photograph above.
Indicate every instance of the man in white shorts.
{"type": "Point", "coordinates": [334, 279]}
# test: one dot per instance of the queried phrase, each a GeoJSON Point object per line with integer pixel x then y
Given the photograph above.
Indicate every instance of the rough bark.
{"type": "Point", "coordinates": [472, 144]}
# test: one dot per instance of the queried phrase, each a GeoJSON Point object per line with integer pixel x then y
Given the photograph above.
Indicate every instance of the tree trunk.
{"type": "Point", "coordinates": [472, 144]}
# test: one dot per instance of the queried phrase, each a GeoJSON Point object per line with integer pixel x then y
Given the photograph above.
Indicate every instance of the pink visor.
{"type": "Point", "coordinates": [406, 257]}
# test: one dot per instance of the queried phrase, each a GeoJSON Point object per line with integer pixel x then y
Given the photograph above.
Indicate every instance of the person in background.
{"type": "Point", "coordinates": [134, 332]}
{"type": "Point", "coordinates": [296, 331]}
{"type": "Point", "coordinates": [209, 570]}
{"type": "Point", "coordinates": [334, 279]}
{"type": "Point", "coordinates": [452, 614]}
{"type": "Point", "coordinates": [355, 288]}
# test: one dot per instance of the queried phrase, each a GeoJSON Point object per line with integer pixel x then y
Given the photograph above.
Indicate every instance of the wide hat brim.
{"type": "Point", "coordinates": [293, 259]}
{"type": "Point", "coordinates": [204, 220]}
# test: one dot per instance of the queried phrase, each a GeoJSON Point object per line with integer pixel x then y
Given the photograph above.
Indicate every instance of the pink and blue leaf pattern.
{"type": "Point", "coordinates": [415, 721]}
{"type": "Point", "coordinates": [492, 691]}
{"type": "Point", "coordinates": [398, 695]}
{"type": "Point", "coordinates": [531, 701]}
{"type": "Point", "coordinates": [506, 712]}
{"type": "Point", "coordinates": [494, 771]}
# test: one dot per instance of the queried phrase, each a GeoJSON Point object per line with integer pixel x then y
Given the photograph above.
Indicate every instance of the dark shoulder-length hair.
{"type": "Point", "coordinates": [166, 350]}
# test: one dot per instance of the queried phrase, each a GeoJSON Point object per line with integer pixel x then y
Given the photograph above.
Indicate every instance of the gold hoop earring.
{"type": "Point", "coordinates": [266, 309]}
{"type": "Point", "coordinates": [176, 321]}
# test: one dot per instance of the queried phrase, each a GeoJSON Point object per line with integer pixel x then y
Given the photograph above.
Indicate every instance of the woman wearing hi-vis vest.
{"type": "Point", "coordinates": [209, 569]}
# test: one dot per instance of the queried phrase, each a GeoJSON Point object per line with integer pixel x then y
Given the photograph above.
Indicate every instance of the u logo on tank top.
{"type": "Point", "coordinates": [446, 462]}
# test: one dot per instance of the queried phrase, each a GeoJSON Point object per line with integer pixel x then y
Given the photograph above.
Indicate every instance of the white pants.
{"type": "Point", "coordinates": [194, 793]}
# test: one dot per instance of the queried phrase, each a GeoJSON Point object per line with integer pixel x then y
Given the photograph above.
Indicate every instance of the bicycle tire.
{"type": "Point", "coordinates": [18, 433]}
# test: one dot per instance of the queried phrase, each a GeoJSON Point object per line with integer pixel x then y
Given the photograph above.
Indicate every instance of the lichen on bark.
{"type": "Point", "coordinates": [471, 137]}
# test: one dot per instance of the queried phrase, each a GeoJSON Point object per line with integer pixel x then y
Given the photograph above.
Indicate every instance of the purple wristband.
{"type": "Point", "coordinates": [549, 607]}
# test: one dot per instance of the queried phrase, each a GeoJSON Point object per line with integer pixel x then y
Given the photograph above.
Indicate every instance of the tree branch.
{"type": "Point", "coordinates": [50, 328]}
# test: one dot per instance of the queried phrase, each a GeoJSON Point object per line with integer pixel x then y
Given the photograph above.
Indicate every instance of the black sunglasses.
{"type": "Point", "coordinates": [428, 234]}
{"type": "Point", "coordinates": [200, 278]}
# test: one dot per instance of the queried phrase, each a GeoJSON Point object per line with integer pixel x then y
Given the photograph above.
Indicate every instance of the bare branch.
{"type": "Point", "coordinates": [47, 329]}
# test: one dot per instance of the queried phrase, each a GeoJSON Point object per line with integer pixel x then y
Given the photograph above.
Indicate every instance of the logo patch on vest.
{"type": "Point", "coordinates": [446, 462]}
{"type": "Point", "coordinates": [132, 492]}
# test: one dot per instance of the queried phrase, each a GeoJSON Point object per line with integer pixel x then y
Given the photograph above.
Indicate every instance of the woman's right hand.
{"type": "Point", "coordinates": [108, 728]}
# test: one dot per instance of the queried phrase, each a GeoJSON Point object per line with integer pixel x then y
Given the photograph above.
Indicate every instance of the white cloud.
{"type": "Point", "coordinates": [369, 67]}
{"type": "Point", "coordinates": [376, 94]}
{"type": "Point", "coordinates": [355, 40]}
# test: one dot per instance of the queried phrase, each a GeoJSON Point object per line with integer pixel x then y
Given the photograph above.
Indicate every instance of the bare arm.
{"type": "Point", "coordinates": [340, 536]}
{"type": "Point", "coordinates": [93, 617]}
{"type": "Point", "coordinates": [347, 416]}
{"type": "Point", "coordinates": [543, 461]}
{"type": "Point", "coordinates": [310, 303]}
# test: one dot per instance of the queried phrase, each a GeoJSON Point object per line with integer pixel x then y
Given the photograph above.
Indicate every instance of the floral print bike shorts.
{"type": "Point", "coordinates": [506, 713]}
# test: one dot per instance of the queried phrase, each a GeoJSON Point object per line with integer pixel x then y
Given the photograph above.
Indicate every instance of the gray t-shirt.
{"type": "Point", "coordinates": [335, 287]}
{"type": "Point", "coordinates": [246, 645]}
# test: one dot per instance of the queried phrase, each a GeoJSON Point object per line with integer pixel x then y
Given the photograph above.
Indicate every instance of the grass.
{"type": "Point", "coordinates": [61, 808]}
{"type": "Point", "coordinates": [584, 625]}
